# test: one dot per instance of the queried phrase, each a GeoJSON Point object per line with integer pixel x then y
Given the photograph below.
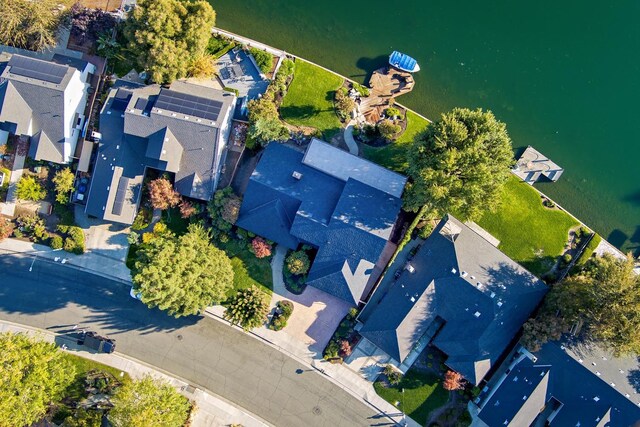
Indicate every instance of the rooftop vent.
{"type": "Point", "coordinates": [477, 314]}
{"type": "Point", "coordinates": [410, 268]}
{"type": "Point", "coordinates": [454, 271]}
{"type": "Point", "coordinates": [493, 294]}
{"type": "Point", "coordinates": [413, 299]}
{"type": "Point", "coordinates": [499, 303]}
{"type": "Point", "coordinates": [524, 397]}
{"type": "Point", "coordinates": [297, 175]}
{"type": "Point", "coordinates": [596, 399]}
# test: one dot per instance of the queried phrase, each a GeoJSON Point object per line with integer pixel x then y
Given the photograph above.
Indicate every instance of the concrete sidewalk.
{"type": "Point", "coordinates": [211, 410]}
{"type": "Point", "coordinates": [89, 261]}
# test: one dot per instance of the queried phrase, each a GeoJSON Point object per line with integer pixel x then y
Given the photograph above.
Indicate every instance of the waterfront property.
{"type": "Point", "coordinates": [532, 166]}
{"type": "Point", "coordinates": [182, 130]}
{"type": "Point", "coordinates": [561, 386]}
{"type": "Point", "coordinates": [341, 204]}
{"type": "Point", "coordinates": [386, 84]}
{"type": "Point", "coordinates": [460, 294]}
{"type": "Point", "coordinates": [44, 101]}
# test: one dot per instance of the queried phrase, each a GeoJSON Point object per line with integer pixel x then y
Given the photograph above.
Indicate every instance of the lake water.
{"type": "Point", "coordinates": [564, 76]}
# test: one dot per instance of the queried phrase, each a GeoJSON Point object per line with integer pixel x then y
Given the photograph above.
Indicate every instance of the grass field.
{"type": "Point", "coordinates": [309, 101]}
{"type": "Point", "coordinates": [247, 269]}
{"type": "Point", "coordinates": [394, 155]}
{"type": "Point", "coordinates": [529, 233]}
{"type": "Point", "coordinates": [423, 393]}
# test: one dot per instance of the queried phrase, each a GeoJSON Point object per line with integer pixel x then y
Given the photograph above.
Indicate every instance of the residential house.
{"type": "Point", "coordinates": [341, 204]}
{"type": "Point", "coordinates": [183, 130]}
{"type": "Point", "coordinates": [562, 385]}
{"type": "Point", "coordinates": [460, 294]}
{"type": "Point", "coordinates": [44, 101]}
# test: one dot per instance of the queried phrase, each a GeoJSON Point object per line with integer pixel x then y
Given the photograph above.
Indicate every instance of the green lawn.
{"type": "Point", "coordinates": [248, 270]}
{"type": "Point", "coordinates": [423, 393]}
{"type": "Point", "coordinates": [174, 221]}
{"type": "Point", "coordinates": [309, 101]}
{"type": "Point", "coordinates": [394, 155]}
{"type": "Point", "coordinates": [528, 232]}
{"type": "Point", "coordinates": [82, 365]}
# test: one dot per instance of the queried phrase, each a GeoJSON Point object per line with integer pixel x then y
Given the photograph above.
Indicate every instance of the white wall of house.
{"type": "Point", "coordinates": [223, 139]}
{"type": "Point", "coordinates": [75, 99]}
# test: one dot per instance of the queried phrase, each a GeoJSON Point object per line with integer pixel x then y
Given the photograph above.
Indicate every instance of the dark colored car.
{"type": "Point", "coordinates": [98, 343]}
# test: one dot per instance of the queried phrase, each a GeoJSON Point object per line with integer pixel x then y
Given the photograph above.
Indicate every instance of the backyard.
{"type": "Point", "coordinates": [309, 101]}
{"type": "Point", "coordinates": [529, 233]}
{"type": "Point", "coordinates": [394, 155]}
{"type": "Point", "coordinates": [423, 393]}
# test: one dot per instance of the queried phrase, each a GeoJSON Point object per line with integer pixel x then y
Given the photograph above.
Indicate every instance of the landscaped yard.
{"type": "Point", "coordinates": [248, 270]}
{"type": "Point", "coordinates": [394, 155]}
{"type": "Point", "coordinates": [423, 393]}
{"type": "Point", "coordinates": [309, 101]}
{"type": "Point", "coordinates": [529, 233]}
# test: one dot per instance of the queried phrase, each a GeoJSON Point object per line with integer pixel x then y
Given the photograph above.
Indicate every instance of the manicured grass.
{"type": "Point", "coordinates": [423, 393]}
{"type": "Point", "coordinates": [309, 101]}
{"type": "Point", "coordinates": [394, 155]}
{"type": "Point", "coordinates": [248, 270]}
{"type": "Point", "coordinates": [588, 251]}
{"type": "Point", "coordinates": [83, 366]}
{"type": "Point", "coordinates": [529, 233]}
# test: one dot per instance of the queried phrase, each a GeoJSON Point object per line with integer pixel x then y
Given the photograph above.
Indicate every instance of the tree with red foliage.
{"type": "Point", "coordinates": [5, 228]}
{"type": "Point", "coordinates": [345, 348]}
{"type": "Point", "coordinates": [453, 381]}
{"type": "Point", "coordinates": [187, 209]}
{"type": "Point", "coordinates": [260, 248]}
{"type": "Point", "coordinates": [162, 194]}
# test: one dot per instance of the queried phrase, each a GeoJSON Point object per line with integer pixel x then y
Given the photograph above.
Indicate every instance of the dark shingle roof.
{"type": "Point", "coordinates": [348, 220]}
{"type": "Point", "coordinates": [582, 397]}
{"type": "Point", "coordinates": [480, 295]}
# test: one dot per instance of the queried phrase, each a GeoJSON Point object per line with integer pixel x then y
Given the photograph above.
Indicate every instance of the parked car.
{"type": "Point", "coordinates": [98, 343]}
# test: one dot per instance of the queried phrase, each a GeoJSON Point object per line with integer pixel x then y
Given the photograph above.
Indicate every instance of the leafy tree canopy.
{"type": "Point", "coordinates": [604, 298]}
{"type": "Point", "coordinates": [182, 275]}
{"type": "Point", "coordinates": [148, 402]}
{"type": "Point", "coordinates": [167, 35]}
{"type": "Point", "coordinates": [32, 24]}
{"type": "Point", "coordinates": [248, 308]}
{"type": "Point", "coordinates": [162, 194]}
{"type": "Point", "coordinates": [263, 131]}
{"type": "Point", "coordinates": [63, 181]}
{"type": "Point", "coordinates": [30, 189]}
{"type": "Point", "coordinates": [34, 374]}
{"type": "Point", "coordinates": [298, 262]}
{"type": "Point", "coordinates": [459, 165]}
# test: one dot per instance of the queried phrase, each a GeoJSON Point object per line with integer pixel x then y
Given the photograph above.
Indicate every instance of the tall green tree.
{"type": "Point", "coordinates": [248, 308]}
{"type": "Point", "coordinates": [166, 36]}
{"type": "Point", "coordinates": [182, 275]}
{"type": "Point", "coordinates": [459, 165]}
{"type": "Point", "coordinates": [148, 402]}
{"type": "Point", "coordinates": [33, 374]}
{"type": "Point", "coordinates": [63, 181]}
{"type": "Point", "coordinates": [32, 24]}
{"type": "Point", "coordinates": [604, 298]}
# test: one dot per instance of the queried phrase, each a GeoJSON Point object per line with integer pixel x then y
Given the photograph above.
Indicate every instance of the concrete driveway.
{"type": "Point", "coordinates": [104, 239]}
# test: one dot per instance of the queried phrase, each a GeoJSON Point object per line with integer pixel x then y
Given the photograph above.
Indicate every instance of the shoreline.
{"type": "Point", "coordinates": [604, 247]}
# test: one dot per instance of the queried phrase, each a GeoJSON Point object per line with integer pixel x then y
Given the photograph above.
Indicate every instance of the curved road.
{"type": "Point", "coordinates": [203, 351]}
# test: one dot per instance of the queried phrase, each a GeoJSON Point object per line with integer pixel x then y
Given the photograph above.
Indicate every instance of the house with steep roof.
{"type": "Point", "coordinates": [44, 101]}
{"type": "Point", "coordinates": [460, 294]}
{"type": "Point", "coordinates": [555, 387]}
{"type": "Point", "coordinates": [341, 204]}
{"type": "Point", "coordinates": [183, 130]}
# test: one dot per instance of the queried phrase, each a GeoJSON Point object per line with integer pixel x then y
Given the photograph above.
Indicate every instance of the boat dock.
{"type": "Point", "coordinates": [385, 84]}
{"type": "Point", "coordinates": [533, 166]}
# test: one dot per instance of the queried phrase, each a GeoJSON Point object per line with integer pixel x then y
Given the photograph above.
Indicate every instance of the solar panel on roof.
{"type": "Point", "coordinates": [189, 105]}
{"type": "Point", "coordinates": [123, 184]}
{"type": "Point", "coordinates": [36, 69]}
{"type": "Point", "coordinates": [141, 104]}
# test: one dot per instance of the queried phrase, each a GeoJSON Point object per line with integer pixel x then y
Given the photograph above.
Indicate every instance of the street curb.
{"type": "Point", "coordinates": [139, 362]}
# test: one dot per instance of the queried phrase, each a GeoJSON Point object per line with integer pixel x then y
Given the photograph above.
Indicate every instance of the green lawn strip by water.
{"type": "Point", "coordinates": [588, 251]}
{"type": "Point", "coordinates": [247, 269]}
{"type": "Point", "coordinates": [529, 233]}
{"type": "Point", "coordinates": [394, 155]}
{"type": "Point", "coordinates": [423, 393]}
{"type": "Point", "coordinates": [309, 100]}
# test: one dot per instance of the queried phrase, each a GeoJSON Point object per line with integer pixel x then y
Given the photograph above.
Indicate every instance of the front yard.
{"type": "Point", "coordinates": [247, 269]}
{"type": "Point", "coordinates": [529, 233]}
{"type": "Point", "coordinates": [309, 101]}
{"type": "Point", "coordinates": [423, 393]}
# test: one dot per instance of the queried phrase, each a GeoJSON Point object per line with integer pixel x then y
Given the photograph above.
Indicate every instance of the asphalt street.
{"type": "Point", "coordinates": [203, 351]}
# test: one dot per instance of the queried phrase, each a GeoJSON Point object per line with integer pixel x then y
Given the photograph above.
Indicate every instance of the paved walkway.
{"type": "Point", "coordinates": [8, 208]}
{"type": "Point", "coordinates": [349, 140]}
{"type": "Point", "coordinates": [211, 410]}
{"type": "Point", "coordinates": [93, 262]}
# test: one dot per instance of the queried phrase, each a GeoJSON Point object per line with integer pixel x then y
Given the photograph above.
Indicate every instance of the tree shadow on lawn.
{"type": "Point", "coordinates": [298, 112]}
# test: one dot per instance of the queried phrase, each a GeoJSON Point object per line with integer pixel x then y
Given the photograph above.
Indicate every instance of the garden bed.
{"type": "Point", "coordinates": [344, 339]}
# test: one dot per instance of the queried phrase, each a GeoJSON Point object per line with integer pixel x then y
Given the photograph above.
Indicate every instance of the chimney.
{"type": "Point", "coordinates": [297, 175]}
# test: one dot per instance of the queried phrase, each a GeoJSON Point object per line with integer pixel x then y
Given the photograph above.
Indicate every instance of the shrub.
{"type": "Point", "coordinates": [263, 59]}
{"type": "Point", "coordinates": [63, 181]}
{"type": "Point", "coordinates": [353, 313]}
{"type": "Point", "coordinates": [248, 308]}
{"type": "Point", "coordinates": [5, 228]}
{"type": "Point", "coordinates": [298, 263]}
{"type": "Point", "coordinates": [30, 189]}
{"type": "Point", "coordinates": [284, 309]}
{"type": "Point", "coordinates": [345, 348]}
{"type": "Point", "coordinates": [162, 194]}
{"type": "Point", "coordinates": [393, 376]}
{"type": "Point", "coordinates": [160, 228]}
{"type": "Point", "coordinates": [74, 241]}
{"type": "Point", "coordinates": [133, 238]}
{"type": "Point", "coordinates": [142, 219]}
{"type": "Point", "coordinates": [388, 130]}
{"type": "Point", "coordinates": [17, 233]}
{"type": "Point", "coordinates": [260, 248]}
{"type": "Point", "coordinates": [392, 112]}
{"type": "Point", "coordinates": [331, 350]}
{"type": "Point", "coordinates": [187, 209]}
{"type": "Point", "coordinates": [362, 90]}
{"type": "Point", "coordinates": [56, 242]}
{"type": "Point", "coordinates": [32, 226]}
{"type": "Point", "coordinates": [147, 238]}
{"type": "Point", "coordinates": [69, 245]}
{"type": "Point", "coordinates": [344, 104]}
{"type": "Point", "coordinates": [453, 381]}
{"type": "Point", "coordinates": [566, 259]}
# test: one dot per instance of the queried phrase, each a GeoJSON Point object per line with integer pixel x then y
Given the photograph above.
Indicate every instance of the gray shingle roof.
{"type": "Point", "coordinates": [581, 397]}
{"type": "Point", "coordinates": [462, 281]}
{"type": "Point", "coordinates": [290, 201]}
